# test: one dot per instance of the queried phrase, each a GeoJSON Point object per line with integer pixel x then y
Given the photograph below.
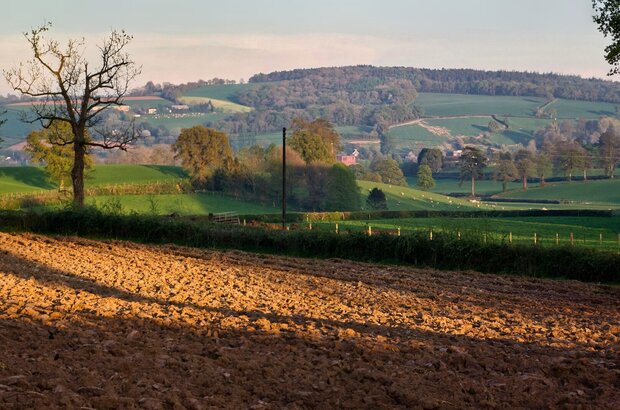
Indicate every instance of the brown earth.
{"type": "Point", "coordinates": [118, 325]}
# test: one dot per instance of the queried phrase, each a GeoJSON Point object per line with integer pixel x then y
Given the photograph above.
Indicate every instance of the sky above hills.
{"type": "Point", "coordinates": [185, 40]}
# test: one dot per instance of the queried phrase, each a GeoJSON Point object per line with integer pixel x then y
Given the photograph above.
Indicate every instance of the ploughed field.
{"type": "Point", "coordinates": [119, 325]}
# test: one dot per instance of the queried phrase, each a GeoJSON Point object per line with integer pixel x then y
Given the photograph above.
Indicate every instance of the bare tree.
{"type": "Point", "coordinates": [69, 91]}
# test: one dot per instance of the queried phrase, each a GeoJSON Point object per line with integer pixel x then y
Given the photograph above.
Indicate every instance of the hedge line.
{"type": "Point", "coordinates": [369, 215]}
{"type": "Point", "coordinates": [443, 252]}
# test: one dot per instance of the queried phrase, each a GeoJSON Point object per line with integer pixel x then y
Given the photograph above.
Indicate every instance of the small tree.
{"type": "Point", "coordinates": [71, 91]}
{"type": "Point", "coordinates": [44, 148]}
{"type": "Point", "coordinates": [376, 199]}
{"type": "Point", "coordinates": [609, 150]}
{"type": "Point", "coordinates": [544, 166]}
{"type": "Point", "coordinates": [494, 127]}
{"type": "Point", "coordinates": [342, 190]}
{"type": "Point", "coordinates": [425, 177]}
{"type": "Point", "coordinates": [389, 171]}
{"type": "Point", "coordinates": [201, 151]}
{"type": "Point", "coordinates": [505, 172]}
{"type": "Point", "coordinates": [473, 161]}
{"type": "Point", "coordinates": [525, 166]}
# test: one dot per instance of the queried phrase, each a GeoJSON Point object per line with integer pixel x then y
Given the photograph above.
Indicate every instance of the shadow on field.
{"type": "Point", "coordinates": [84, 358]}
{"type": "Point", "coordinates": [32, 176]}
{"type": "Point", "coordinates": [87, 359]}
{"type": "Point", "coordinates": [176, 172]}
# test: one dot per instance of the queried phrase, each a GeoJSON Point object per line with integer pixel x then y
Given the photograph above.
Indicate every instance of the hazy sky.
{"type": "Point", "coordinates": [185, 40]}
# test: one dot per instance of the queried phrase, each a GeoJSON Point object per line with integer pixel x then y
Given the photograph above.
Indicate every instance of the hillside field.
{"type": "Point", "coordinates": [104, 324]}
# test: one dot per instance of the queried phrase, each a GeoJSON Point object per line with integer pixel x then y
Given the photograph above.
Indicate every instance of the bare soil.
{"type": "Point", "coordinates": [118, 325]}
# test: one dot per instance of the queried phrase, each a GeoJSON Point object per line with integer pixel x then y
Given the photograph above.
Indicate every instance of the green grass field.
{"type": "Point", "coordinates": [415, 136]}
{"type": "Point", "coordinates": [221, 92]}
{"type": "Point", "coordinates": [175, 122]}
{"type": "Point", "coordinates": [186, 204]}
{"type": "Point", "coordinates": [590, 193]}
{"type": "Point", "coordinates": [582, 109]}
{"type": "Point", "coordinates": [483, 187]}
{"type": "Point", "coordinates": [586, 230]}
{"type": "Point", "coordinates": [465, 104]}
{"type": "Point", "coordinates": [33, 179]}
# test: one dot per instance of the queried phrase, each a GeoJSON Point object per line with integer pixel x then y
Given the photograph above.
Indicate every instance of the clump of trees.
{"type": "Point", "coordinates": [314, 181]}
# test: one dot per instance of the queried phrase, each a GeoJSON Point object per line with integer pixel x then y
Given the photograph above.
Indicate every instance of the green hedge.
{"type": "Point", "coordinates": [373, 215]}
{"type": "Point", "coordinates": [443, 252]}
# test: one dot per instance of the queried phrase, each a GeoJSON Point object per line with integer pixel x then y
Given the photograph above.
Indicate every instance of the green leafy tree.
{"type": "Point", "coordinates": [311, 147]}
{"type": "Point", "coordinates": [72, 90]}
{"type": "Point", "coordinates": [544, 166]}
{"type": "Point", "coordinates": [44, 148]}
{"type": "Point", "coordinates": [505, 172]}
{"type": "Point", "coordinates": [364, 174]}
{"type": "Point", "coordinates": [525, 166]}
{"type": "Point", "coordinates": [376, 199]}
{"type": "Point", "coordinates": [425, 177]}
{"type": "Point", "coordinates": [473, 162]}
{"type": "Point", "coordinates": [433, 157]}
{"type": "Point", "coordinates": [607, 16]}
{"type": "Point", "coordinates": [570, 158]}
{"type": "Point", "coordinates": [609, 150]}
{"type": "Point", "coordinates": [323, 129]}
{"type": "Point", "coordinates": [201, 151]}
{"type": "Point", "coordinates": [389, 171]}
{"type": "Point", "coordinates": [342, 190]}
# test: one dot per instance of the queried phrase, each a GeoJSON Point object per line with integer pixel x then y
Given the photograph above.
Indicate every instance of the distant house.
{"type": "Point", "coordinates": [454, 154]}
{"type": "Point", "coordinates": [151, 111]}
{"type": "Point", "coordinates": [180, 107]}
{"type": "Point", "coordinates": [346, 159]}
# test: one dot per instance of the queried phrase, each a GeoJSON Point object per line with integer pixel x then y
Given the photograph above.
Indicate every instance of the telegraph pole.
{"type": "Point", "coordinates": [283, 178]}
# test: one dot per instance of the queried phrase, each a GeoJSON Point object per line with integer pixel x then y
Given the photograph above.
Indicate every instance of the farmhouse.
{"type": "Point", "coordinates": [346, 159]}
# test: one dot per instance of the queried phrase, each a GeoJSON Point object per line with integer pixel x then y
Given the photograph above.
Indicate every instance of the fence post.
{"type": "Point", "coordinates": [600, 238]}
{"type": "Point", "coordinates": [535, 238]}
{"type": "Point", "coordinates": [337, 229]}
{"type": "Point", "coordinates": [243, 221]}
{"type": "Point", "coordinates": [510, 238]}
{"type": "Point", "coordinates": [557, 239]}
{"type": "Point", "coordinates": [310, 226]}
{"type": "Point", "coordinates": [484, 237]}
{"type": "Point", "coordinates": [572, 239]}
{"type": "Point", "coordinates": [369, 230]}
{"type": "Point", "coordinates": [398, 231]}
{"type": "Point", "coordinates": [430, 235]}
{"type": "Point", "coordinates": [458, 235]}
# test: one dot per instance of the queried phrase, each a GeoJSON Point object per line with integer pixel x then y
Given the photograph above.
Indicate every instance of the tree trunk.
{"type": "Point", "coordinates": [504, 186]}
{"type": "Point", "coordinates": [542, 180]}
{"type": "Point", "coordinates": [77, 174]}
{"type": "Point", "coordinates": [473, 187]}
{"type": "Point", "coordinates": [585, 175]}
{"type": "Point", "coordinates": [524, 182]}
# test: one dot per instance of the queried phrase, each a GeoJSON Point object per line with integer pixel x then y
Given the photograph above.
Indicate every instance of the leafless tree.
{"type": "Point", "coordinates": [69, 90]}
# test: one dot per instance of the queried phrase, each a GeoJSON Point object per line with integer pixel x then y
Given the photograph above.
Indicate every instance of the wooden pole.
{"type": "Point", "coordinates": [430, 235]}
{"type": "Point", "coordinates": [283, 177]}
{"type": "Point", "coordinates": [369, 230]}
{"type": "Point", "coordinates": [557, 239]}
{"type": "Point", "coordinates": [572, 239]}
{"type": "Point", "coordinates": [510, 238]}
{"type": "Point", "coordinates": [337, 231]}
{"type": "Point", "coordinates": [398, 231]}
{"type": "Point", "coordinates": [535, 238]}
{"type": "Point", "coordinates": [600, 238]}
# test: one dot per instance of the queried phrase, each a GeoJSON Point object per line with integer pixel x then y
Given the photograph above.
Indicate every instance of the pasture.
{"type": "Point", "coordinates": [586, 231]}
{"type": "Point", "coordinates": [435, 104]}
{"type": "Point", "coordinates": [590, 193]}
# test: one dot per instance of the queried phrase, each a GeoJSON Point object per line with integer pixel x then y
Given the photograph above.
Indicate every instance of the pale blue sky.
{"type": "Point", "coordinates": [187, 40]}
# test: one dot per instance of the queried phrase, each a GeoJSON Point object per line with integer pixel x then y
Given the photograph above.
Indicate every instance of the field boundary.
{"type": "Point", "coordinates": [443, 252]}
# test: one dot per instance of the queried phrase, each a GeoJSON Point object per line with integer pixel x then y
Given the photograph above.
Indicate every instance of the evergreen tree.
{"type": "Point", "coordinates": [425, 177]}
{"type": "Point", "coordinates": [342, 190]}
{"type": "Point", "coordinates": [376, 199]}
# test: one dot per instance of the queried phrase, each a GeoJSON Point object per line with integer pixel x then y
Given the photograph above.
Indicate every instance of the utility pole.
{"type": "Point", "coordinates": [283, 178]}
